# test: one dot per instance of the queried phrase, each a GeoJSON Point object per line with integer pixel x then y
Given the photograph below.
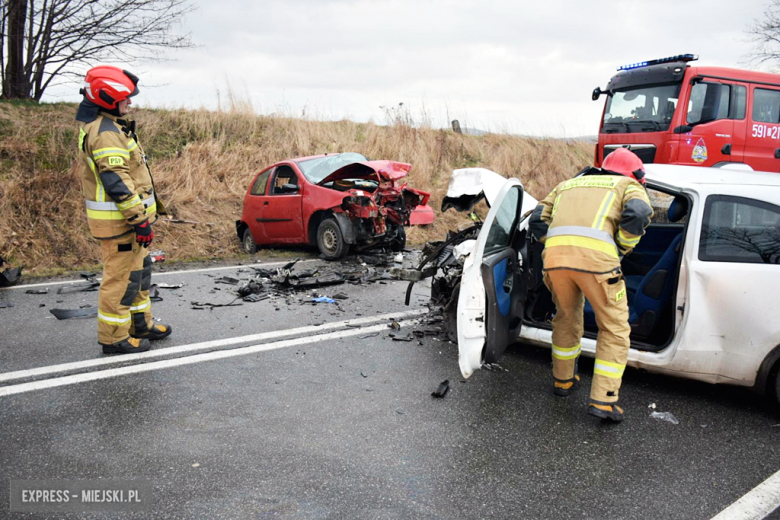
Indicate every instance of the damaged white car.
{"type": "Point", "coordinates": [702, 283]}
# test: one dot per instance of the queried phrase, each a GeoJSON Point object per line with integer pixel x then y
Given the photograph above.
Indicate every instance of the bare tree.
{"type": "Point", "coordinates": [43, 41]}
{"type": "Point", "coordinates": [765, 34]}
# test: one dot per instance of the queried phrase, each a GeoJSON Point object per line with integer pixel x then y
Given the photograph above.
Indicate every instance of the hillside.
{"type": "Point", "coordinates": [203, 161]}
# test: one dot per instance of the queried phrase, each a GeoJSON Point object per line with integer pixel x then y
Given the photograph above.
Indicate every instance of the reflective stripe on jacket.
{"type": "Point", "coordinates": [116, 182]}
{"type": "Point", "coordinates": [586, 223]}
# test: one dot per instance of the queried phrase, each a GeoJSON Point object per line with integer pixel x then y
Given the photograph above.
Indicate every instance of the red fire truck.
{"type": "Point", "coordinates": [669, 111]}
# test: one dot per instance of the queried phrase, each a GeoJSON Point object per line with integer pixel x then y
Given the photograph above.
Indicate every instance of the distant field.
{"type": "Point", "coordinates": [202, 162]}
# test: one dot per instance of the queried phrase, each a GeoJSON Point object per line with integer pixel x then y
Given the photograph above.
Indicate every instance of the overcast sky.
{"type": "Point", "coordinates": [525, 67]}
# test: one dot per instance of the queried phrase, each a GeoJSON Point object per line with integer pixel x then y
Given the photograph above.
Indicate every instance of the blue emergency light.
{"type": "Point", "coordinates": [679, 57]}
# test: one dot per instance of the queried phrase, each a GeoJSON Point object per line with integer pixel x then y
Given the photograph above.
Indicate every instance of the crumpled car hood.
{"type": "Point", "coordinates": [468, 186]}
{"type": "Point", "coordinates": [376, 170]}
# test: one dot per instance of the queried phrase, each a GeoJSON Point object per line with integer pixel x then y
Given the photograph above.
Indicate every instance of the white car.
{"type": "Point", "coordinates": [704, 281]}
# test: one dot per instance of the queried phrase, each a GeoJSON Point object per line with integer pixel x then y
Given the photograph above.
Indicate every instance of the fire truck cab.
{"type": "Point", "coordinates": [668, 111]}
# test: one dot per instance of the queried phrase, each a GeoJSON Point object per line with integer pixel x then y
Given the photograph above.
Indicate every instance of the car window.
{"type": "Point", "coordinates": [500, 232]}
{"type": "Point", "coordinates": [708, 102]}
{"type": "Point", "coordinates": [661, 202]}
{"type": "Point", "coordinates": [738, 229]}
{"type": "Point", "coordinates": [766, 105]}
{"type": "Point", "coordinates": [284, 175]}
{"type": "Point", "coordinates": [258, 188]}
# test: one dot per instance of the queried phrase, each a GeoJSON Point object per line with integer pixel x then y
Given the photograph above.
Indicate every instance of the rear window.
{"type": "Point", "coordinates": [738, 229]}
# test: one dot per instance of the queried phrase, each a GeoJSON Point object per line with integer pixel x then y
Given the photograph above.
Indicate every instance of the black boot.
{"type": "Point", "coordinates": [159, 331]}
{"type": "Point", "coordinates": [127, 346]}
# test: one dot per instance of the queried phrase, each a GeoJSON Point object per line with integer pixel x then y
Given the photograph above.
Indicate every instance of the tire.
{"type": "Point", "coordinates": [330, 240]}
{"type": "Point", "coordinates": [248, 243]}
{"type": "Point", "coordinates": [399, 242]}
{"type": "Point", "coordinates": [776, 387]}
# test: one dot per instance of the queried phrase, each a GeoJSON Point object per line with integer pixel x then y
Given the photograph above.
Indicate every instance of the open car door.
{"type": "Point", "coordinates": [493, 288]}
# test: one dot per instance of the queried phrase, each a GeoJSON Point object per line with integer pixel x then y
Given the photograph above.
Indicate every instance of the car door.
{"type": "Point", "coordinates": [762, 147]}
{"type": "Point", "coordinates": [281, 213]}
{"type": "Point", "coordinates": [711, 137]}
{"type": "Point", "coordinates": [492, 291]}
{"type": "Point", "coordinates": [253, 206]}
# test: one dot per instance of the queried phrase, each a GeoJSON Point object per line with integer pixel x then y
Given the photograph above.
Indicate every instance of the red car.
{"type": "Point", "coordinates": [333, 201]}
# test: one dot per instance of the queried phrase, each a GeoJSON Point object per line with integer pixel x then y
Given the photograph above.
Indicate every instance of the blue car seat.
{"type": "Point", "coordinates": [654, 291]}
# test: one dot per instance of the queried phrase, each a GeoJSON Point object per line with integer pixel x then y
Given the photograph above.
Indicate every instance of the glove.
{"type": "Point", "coordinates": [144, 234]}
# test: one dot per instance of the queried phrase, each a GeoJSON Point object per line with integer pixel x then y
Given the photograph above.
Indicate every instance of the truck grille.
{"type": "Point", "coordinates": [646, 152]}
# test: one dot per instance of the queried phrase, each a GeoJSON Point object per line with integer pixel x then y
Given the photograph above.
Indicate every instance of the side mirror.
{"type": "Point", "coordinates": [289, 188]}
{"type": "Point", "coordinates": [597, 92]}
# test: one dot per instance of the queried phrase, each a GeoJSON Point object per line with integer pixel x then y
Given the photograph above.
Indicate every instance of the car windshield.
{"type": "Point", "coordinates": [317, 169]}
{"type": "Point", "coordinates": [643, 109]}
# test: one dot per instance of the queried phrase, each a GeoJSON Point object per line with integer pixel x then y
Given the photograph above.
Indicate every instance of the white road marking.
{"type": "Point", "coordinates": [166, 273]}
{"type": "Point", "coordinates": [205, 345]}
{"type": "Point", "coordinates": [758, 503]}
{"type": "Point", "coordinates": [188, 360]}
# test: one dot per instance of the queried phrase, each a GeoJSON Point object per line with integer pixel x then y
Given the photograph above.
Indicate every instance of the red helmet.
{"type": "Point", "coordinates": [105, 85]}
{"type": "Point", "coordinates": [625, 162]}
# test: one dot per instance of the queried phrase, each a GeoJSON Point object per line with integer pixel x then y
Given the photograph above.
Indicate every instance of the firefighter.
{"type": "Point", "coordinates": [121, 208]}
{"type": "Point", "coordinates": [587, 225]}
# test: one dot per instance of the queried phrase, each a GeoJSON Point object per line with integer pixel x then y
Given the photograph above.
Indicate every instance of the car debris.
{"type": "Point", "coordinates": [402, 338]}
{"type": "Point", "coordinates": [37, 291]}
{"type": "Point", "coordinates": [227, 280]}
{"type": "Point", "coordinates": [199, 306]}
{"type": "Point", "coordinates": [90, 284]}
{"type": "Point", "coordinates": [323, 299]}
{"type": "Point", "coordinates": [444, 387]}
{"type": "Point", "coordinates": [9, 276]}
{"type": "Point", "coordinates": [66, 314]}
{"type": "Point", "coordinates": [336, 202]}
{"type": "Point", "coordinates": [168, 286]}
{"type": "Point", "coordinates": [665, 416]}
{"type": "Point", "coordinates": [157, 256]}
{"type": "Point", "coordinates": [5, 305]}
{"type": "Point", "coordinates": [253, 298]}
{"type": "Point", "coordinates": [154, 295]}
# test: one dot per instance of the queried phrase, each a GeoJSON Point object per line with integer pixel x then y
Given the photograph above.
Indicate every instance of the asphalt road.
{"type": "Point", "coordinates": [316, 415]}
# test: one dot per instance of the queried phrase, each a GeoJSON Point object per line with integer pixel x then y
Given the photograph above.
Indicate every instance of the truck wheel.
{"type": "Point", "coordinates": [330, 241]}
{"type": "Point", "coordinates": [399, 242]}
{"type": "Point", "coordinates": [248, 243]}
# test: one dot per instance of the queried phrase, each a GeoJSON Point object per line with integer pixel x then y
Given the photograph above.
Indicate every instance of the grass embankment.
{"type": "Point", "coordinates": [203, 161]}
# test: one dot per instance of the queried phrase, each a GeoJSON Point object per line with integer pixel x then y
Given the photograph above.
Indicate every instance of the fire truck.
{"type": "Point", "coordinates": [670, 111]}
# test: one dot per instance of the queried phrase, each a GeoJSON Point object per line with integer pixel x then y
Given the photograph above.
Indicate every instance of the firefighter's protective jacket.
{"type": "Point", "coordinates": [589, 222]}
{"type": "Point", "coordinates": [116, 181]}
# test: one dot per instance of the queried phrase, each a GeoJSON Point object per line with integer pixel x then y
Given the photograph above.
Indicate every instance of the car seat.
{"type": "Point", "coordinates": [655, 289]}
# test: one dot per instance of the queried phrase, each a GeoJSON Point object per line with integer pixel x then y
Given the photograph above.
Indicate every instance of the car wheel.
{"type": "Point", "coordinates": [399, 242]}
{"type": "Point", "coordinates": [248, 243]}
{"type": "Point", "coordinates": [330, 241]}
{"type": "Point", "coordinates": [776, 387]}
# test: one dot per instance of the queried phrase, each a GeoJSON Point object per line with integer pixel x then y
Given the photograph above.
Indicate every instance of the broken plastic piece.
{"type": "Point", "coordinates": [5, 305]}
{"type": "Point", "coordinates": [323, 299]}
{"type": "Point", "coordinates": [154, 295]}
{"type": "Point", "coordinates": [255, 298]}
{"type": "Point", "coordinates": [37, 291]}
{"type": "Point", "coordinates": [399, 258]}
{"type": "Point", "coordinates": [66, 314]}
{"type": "Point", "coordinates": [90, 285]}
{"type": "Point", "coordinates": [169, 286]}
{"type": "Point", "coordinates": [227, 280]}
{"type": "Point", "coordinates": [340, 296]}
{"type": "Point", "coordinates": [402, 338]}
{"type": "Point", "coordinates": [394, 325]}
{"type": "Point", "coordinates": [444, 387]}
{"type": "Point", "coordinates": [665, 416]}
{"type": "Point", "coordinates": [157, 256]}
{"type": "Point", "coordinates": [10, 277]}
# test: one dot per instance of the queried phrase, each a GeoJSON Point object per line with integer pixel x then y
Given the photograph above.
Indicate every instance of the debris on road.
{"type": "Point", "coordinates": [169, 286]}
{"type": "Point", "coordinates": [651, 406]}
{"type": "Point", "coordinates": [227, 280]}
{"type": "Point", "coordinates": [323, 299]}
{"type": "Point", "coordinates": [66, 314]}
{"type": "Point", "coordinates": [37, 291]}
{"type": "Point", "coordinates": [444, 387]}
{"type": "Point", "coordinates": [9, 276]}
{"type": "Point", "coordinates": [157, 256]}
{"type": "Point", "coordinates": [372, 335]}
{"type": "Point", "coordinates": [6, 305]}
{"type": "Point", "coordinates": [394, 325]}
{"type": "Point", "coordinates": [252, 298]}
{"type": "Point", "coordinates": [90, 284]}
{"type": "Point", "coordinates": [154, 295]}
{"type": "Point", "coordinates": [665, 416]}
{"type": "Point", "coordinates": [199, 306]}
{"type": "Point", "coordinates": [401, 338]}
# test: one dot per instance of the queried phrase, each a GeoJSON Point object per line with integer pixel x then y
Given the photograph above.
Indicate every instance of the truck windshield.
{"type": "Point", "coordinates": [317, 169]}
{"type": "Point", "coordinates": [643, 109]}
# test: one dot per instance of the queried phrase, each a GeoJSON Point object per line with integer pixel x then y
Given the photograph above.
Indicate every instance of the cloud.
{"type": "Point", "coordinates": [514, 65]}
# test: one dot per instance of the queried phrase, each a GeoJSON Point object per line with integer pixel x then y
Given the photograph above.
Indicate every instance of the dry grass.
{"type": "Point", "coordinates": [203, 161]}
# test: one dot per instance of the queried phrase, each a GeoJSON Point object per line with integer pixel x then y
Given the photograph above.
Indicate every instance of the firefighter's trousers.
{"type": "Point", "coordinates": [607, 295]}
{"type": "Point", "coordinates": [124, 307]}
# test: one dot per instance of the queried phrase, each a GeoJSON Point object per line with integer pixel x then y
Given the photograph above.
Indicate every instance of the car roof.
{"type": "Point", "coordinates": [690, 176]}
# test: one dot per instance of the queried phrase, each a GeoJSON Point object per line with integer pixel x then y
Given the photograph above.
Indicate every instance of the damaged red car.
{"type": "Point", "coordinates": [337, 202]}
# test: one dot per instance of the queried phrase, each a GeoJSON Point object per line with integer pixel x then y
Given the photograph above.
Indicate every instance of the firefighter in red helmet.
{"type": "Point", "coordinates": [587, 225]}
{"type": "Point", "coordinates": [121, 208]}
